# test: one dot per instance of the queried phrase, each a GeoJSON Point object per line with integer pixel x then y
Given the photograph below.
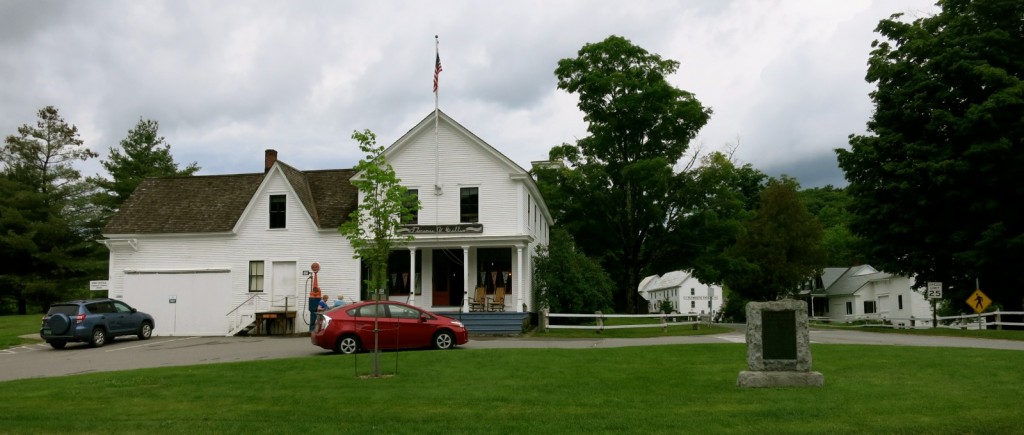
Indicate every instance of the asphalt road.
{"type": "Point", "coordinates": [40, 360]}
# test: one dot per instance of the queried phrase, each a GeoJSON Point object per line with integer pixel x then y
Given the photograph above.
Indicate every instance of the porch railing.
{"type": "Point", "coordinates": [244, 314]}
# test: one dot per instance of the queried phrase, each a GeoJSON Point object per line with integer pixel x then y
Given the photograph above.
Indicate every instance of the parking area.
{"type": "Point", "coordinates": [40, 360]}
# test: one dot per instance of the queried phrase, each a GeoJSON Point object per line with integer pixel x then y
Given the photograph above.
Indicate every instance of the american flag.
{"type": "Point", "coordinates": [437, 70]}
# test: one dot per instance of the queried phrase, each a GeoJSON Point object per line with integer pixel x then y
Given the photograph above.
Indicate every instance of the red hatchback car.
{"type": "Point", "coordinates": [349, 329]}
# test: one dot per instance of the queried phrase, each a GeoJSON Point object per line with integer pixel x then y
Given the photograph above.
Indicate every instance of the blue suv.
{"type": "Point", "coordinates": [93, 321]}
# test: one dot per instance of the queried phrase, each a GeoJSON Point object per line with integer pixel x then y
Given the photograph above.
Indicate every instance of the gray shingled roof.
{"type": "Point", "coordinates": [854, 279]}
{"type": "Point", "coordinates": [214, 203]}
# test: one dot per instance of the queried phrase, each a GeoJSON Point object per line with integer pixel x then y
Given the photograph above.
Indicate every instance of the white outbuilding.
{"type": "Point", "coordinates": [683, 291]}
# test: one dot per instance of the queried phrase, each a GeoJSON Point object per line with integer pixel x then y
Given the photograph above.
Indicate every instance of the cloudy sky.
{"type": "Point", "coordinates": [229, 79]}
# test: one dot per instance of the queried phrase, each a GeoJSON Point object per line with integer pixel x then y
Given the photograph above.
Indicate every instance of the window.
{"type": "Point", "coordinates": [693, 291]}
{"type": "Point", "coordinates": [255, 276]}
{"type": "Point", "coordinates": [469, 205]}
{"type": "Point", "coordinates": [849, 308]}
{"type": "Point", "coordinates": [277, 211]}
{"type": "Point", "coordinates": [869, 307]}
{"type": "Point", "coordinates": [693, 304]}
{"type": "Point", "coordinates": [400, 312]}
{"type": "Point", "coordinates": [412, 200]}
{"type": "Point", "coordinates": [899, 301]}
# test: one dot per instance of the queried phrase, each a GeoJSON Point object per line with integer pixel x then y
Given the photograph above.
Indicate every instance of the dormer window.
{"type": "Point", "coordinates": [277, 211]}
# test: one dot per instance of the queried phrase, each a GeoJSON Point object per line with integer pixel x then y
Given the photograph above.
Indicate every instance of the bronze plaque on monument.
{"type": "Point", "coordinates": [778, 334]}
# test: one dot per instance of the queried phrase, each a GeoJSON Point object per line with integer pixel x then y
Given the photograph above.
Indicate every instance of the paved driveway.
{"type": "Point", "coordinates": [39, 360]}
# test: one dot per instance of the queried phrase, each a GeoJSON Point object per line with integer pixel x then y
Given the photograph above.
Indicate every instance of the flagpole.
{"type": "Point", "coordinates": [437, 146]}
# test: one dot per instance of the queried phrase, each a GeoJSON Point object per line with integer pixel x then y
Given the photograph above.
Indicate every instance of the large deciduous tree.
{"type": "Point", "coordinates": [142, 154]}
{"type": "Point", "coordinates": [781, 245]}
{"type": "Point", "coordinates": [937, 182]}
{"type": "Point", "coordinates": [831, 205]}
{"type": "Point", "coordinates": [614, 196]}
{"type": "Point", "coordinates": [46, 237]}
{"type": "Point", "coordinates": [709, 205]}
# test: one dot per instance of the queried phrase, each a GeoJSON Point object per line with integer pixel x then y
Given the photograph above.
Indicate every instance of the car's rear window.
{"type": "Point", "coordinates": [67, 310]}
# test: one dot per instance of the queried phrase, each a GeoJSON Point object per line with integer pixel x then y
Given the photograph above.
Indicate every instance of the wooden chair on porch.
{"type": "Point", "coordinates": [497, 302]}
{"type": "Point", "coordinates": [479, 301]}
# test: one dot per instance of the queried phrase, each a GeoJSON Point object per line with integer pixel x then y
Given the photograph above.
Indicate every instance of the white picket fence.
{"type": "Point", "coordinates": [967, 321]}
{"type": "Point", "coordinates": [674, 319]}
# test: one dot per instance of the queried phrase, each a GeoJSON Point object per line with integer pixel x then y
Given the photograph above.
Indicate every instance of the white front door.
{"type": "Point", "coordinates": [283, 285]}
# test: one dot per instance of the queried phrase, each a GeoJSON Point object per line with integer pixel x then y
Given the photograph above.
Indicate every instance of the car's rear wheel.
{"type": "Point", "coordinates": [444, 340]}
{"type": "Point", "coordinates": [58, 344]}
{"type": "Point", "coordinates": [347, 344]}
{"type": "Point", "coordinates": [145, 331]}
{"type": "Point", "coordinates": [99, 337]}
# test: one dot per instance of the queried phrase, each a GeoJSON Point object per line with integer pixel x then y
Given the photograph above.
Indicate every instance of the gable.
{"type": "Point", "coordinates": [216, 203]}
{"type": "Point", "coordinates": [454, 156]}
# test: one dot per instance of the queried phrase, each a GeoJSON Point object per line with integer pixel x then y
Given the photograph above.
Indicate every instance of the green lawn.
{"type": "Point", "coordinates": [11, 327]}
{"type": "Point", "coordinates": [657, 389]}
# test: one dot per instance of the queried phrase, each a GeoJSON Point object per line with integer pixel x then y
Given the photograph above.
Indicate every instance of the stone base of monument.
{"type": "Point", "coordinates": [773, 379]}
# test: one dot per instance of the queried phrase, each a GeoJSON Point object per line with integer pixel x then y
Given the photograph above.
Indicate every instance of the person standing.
{"type": "Point", "coordinates": [340, 302]}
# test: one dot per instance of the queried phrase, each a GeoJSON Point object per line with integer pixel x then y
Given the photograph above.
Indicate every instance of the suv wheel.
{"type": "Point", "coordinates": [99, 338]}
{"type": "Point", "coordinates": [145, 331]}
{"type": "Point", "coordinates": [58, 344]}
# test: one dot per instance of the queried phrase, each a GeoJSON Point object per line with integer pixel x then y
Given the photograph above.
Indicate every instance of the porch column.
{"type": "Point", "coordinates": [412, 275]}
{"type": "Point", "coordinates": [519, 282]}
{"type": "Point", "coordinates": [465, 278]}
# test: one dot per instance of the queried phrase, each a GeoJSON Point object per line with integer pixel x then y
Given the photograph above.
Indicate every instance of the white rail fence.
{"type": "Point", "coordinates": [675, 319]}
{"type": "Point", "coordinates": [967, 321]}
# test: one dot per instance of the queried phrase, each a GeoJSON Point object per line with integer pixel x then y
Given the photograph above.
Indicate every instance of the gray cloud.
{"type": "Point", "coordinates": [228, 79]}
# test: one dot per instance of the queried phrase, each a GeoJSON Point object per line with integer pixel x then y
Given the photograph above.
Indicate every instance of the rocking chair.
{"type": "Point", "coordinates": [479, 301]}
{"type": "Point", "coordinates": [497, 302]}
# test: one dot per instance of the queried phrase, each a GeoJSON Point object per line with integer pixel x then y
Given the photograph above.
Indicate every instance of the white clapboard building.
{"type": "Point", "coordinates": [219, 254]}
{"type": "Point", "coordinates": [683, 291]}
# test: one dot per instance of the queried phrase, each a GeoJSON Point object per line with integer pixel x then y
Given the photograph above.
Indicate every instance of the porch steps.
{"type": "Point", "coordinates": [509, 323]}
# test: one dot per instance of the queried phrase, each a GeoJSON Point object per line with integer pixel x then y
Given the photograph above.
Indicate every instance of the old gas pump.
{"type": "Point", "coordinates": [314, 297]}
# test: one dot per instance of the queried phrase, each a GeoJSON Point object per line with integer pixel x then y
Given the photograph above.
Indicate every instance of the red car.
{"type": "Point", "coordinates": [349, 329]}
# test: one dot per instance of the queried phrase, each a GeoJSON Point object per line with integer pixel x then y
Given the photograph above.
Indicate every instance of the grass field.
{"type": "Point", "coordinates": [11, 327]}
{"type": "Point", "coordinates": [656, 389]}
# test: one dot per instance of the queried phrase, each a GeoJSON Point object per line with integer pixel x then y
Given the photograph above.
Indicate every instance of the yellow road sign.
{"type": "Point", "coordinates": [979, 301]}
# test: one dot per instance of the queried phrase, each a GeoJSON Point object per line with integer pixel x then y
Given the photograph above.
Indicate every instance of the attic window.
{"type": "Point", "coordinates": [412, 199]}
{"type": "Point", "coordinates": [469, 205]}
{"type": "Point", "coordinates": [277, 211]}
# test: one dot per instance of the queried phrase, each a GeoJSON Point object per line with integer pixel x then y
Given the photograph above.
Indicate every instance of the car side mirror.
{"type": "Point", "coordinates": [423, 318]}
{"type": "Point", "coordinates": [134, 310]}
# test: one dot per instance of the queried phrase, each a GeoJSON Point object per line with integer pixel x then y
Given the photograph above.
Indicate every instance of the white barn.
{"type": "Point", "coordinates": [683, 291]}
{"type": "Point", "coordinates": [213, 255]}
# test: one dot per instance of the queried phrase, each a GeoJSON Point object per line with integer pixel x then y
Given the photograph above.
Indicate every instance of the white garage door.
{"type": "Point", "coordinates": [182, 303]}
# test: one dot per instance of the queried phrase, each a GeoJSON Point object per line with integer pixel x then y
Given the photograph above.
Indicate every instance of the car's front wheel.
{"type": "Point", "coordinates": [99, 337]}
{"type": "Point", "coordinates": [58, 344]}
{"type": "Point", "coordinates": [347, 344]}
{"type": "Point", "coordinates": [444, 340]}
{"type": "Point", "coordinates": [145, 331]}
